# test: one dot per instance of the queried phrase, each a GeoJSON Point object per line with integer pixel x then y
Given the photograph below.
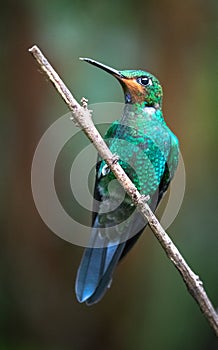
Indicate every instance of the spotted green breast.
{"type": "Point", "coordinates": [143, 143]}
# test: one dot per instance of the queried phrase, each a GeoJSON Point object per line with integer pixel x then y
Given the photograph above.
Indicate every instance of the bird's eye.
{"type": "Point", "coordinates": [144, 81]}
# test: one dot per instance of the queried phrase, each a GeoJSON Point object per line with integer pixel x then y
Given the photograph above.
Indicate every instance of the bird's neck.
{"type": "Point", "coordinates": [135, 112]}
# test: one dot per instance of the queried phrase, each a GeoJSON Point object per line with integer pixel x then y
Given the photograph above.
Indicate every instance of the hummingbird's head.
{"type": "Point", "coordinates": [138, 86]}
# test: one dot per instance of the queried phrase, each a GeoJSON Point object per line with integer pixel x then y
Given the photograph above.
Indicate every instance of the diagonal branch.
{"type": "Point", "coordinates": [82, 117]}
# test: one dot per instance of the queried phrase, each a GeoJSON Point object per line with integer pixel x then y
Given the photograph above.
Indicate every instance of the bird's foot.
{"type": "Point", "coordinates": [115, 158]}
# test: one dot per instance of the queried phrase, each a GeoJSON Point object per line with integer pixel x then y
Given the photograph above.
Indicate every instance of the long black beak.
{"type": "Point", "coordinates": [108, 69]}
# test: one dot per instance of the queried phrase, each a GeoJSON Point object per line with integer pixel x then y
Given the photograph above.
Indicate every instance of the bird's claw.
{"type": "Point", "coordinates": [115, 158]}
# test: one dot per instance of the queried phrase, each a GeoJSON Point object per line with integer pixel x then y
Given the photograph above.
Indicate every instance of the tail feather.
{"type": "Point", "coordinates": [98, 264]}
{"type": "Point", "coordinates": [95, 272]}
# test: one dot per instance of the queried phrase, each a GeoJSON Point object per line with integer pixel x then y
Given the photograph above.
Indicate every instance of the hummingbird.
{"type": "Point", "coordinates": [148, 152]}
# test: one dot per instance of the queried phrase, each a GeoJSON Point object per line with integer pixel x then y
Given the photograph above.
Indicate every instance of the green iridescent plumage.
{"type": "Point", "coordinates": [148, 152]}
{"type": "Point", "coordinates": [133, 139]}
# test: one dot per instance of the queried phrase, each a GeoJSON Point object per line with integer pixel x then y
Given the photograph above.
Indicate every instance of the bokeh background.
{"type": "Point", "coordinates": [148, 306]}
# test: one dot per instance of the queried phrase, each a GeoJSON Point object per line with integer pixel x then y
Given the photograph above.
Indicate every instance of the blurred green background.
{"type": "Point", "coordinates": [148, 306]}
